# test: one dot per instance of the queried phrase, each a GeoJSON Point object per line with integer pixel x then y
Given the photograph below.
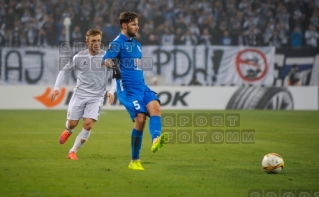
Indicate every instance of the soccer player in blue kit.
{"type": "Point", "coordinates": [125, 57]}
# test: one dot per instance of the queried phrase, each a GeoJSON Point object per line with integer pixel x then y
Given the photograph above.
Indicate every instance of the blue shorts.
{"type": "Point", "coordinates": [135, 99]}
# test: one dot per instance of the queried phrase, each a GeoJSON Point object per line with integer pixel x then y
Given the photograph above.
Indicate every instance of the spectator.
{"type": "Point", "coordinates": [158, 19]}
{"type": "Point", "coordinates": [177, 36]}
{"type": "Point", "coordinates": [282, 14]}
{"type": "Point", "coordinates": [2, 38]}
{"type": "Point", "coordinates": [188, 39]}
{"type": "Point", "coordinates": [294, 78]}
{"type": "Point", "coordinates": [9, 26]}
{"type": "Point", "coordinates": [168, 14]}
{"type": "Point", "coordinates": [141, 21]}
{"type": "Point", "coordinates": [96, 22]}
{"type": "Point", "coordinates": [243, 5]}
{"type": "Point", "coordinates": [41, 18]}
{"type": "Point", "coordinates": [226, 39]}
{"type": "Point", "coordinates": [3, 8]}
{"type": "Point", "coordinates": [312, 37]}
{"type": "Point", "coordinates": [61, 37]}
{"type": "Point", "coordinates": [249, 23]}
{"type": "Point", "coordinates": [215, 32]}
{"type": "Point", "coordinates": [236, 34]}
{"type": "Point", "coordinates": [252, 39]}
{"type": "Point", "coordinates": [110, 30]}
{"type": "Point", "coordinates": [275, 39]}
{"type": "Point", "coordinates": [296, 37]}
{"type": "Point", "coordinates": [237, 16]}
{"type": "Point", "coordinates": [298, 15]}
{"type": "Point", "coordinates": [85, 17]}
{"type": "Point", "coordinates": [314, 19]}
{"type": "Point", "coordinates": [180, 24]}
{"type": "Point", "coordinates": [16, 37]}
{"type": "Point", "coordinates": [265, 21]}
{"type": "Point", "coordinates": [50, 31]}
{"type": "Point", "coordinates": [150, 12]}
{"type": "Point", "coordinates": [205, 38]}
{"type": "Point", "coordinates": [77, 35]}
{"type": "Point", "coordinates": [167, 38]}
{"type": "Point", "coordinates": [268, 33]}
{"type": "Point", "coordinates": [31, 33]}
{"type": "Point", "coordinates": [194, 30]}
{"type": "Point", "coordinates": [283, 30]}
{"type": "Point", "coordinates": [205, 23]}
{"type": "Point", "coordinates": [217, 10]}
{"type": "Point", "coordinates": [42, 39]}
{"type": "Point", "coordinates": [152, 39]}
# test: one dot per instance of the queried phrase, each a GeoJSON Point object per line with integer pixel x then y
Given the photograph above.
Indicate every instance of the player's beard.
{"type": "Point", "coordinates": [130, 32]}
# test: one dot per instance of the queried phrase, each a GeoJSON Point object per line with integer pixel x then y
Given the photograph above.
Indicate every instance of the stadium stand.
{"type": "Point", "coordinates": [280, 23]}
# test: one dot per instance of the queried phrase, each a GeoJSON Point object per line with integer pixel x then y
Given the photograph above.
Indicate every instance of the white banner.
{"type": "Point", "coordinates": [177, 97]}
{"type": "Point", "coordinates": [215, 65]}
{"type": "Point", "coordinates": [30, 66]}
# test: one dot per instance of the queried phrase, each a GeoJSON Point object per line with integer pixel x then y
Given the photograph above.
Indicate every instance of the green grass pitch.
{"type": "Point", "coordinates": [33, 163]}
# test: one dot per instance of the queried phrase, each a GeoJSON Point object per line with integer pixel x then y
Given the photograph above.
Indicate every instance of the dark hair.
{"type": "Point", "coordinates": [126, 17]}
{"type": "Point", "coordinates": [93, 32]}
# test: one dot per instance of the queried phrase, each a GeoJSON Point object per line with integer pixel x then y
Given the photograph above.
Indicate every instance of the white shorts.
{"type": "Point", "coordinates": [84, 108]}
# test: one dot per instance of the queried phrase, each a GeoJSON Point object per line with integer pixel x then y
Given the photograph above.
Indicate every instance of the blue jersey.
{"type": "Point", "coordinates": [131, 89]}
{"type": "Point", "coordinates": [128, 52]}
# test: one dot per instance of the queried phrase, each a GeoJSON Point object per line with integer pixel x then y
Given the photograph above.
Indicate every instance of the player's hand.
{"type": "Point", "coordinates": [110, 98]}
{"type": "Point", "coordinates": [108, 63]}
{"type": "Point", "coordinates": [54, 94]}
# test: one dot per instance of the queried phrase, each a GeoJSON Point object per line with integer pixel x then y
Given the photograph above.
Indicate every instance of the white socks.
{"type": "Point", "coordinates": [80, 140]}
{"type": "Point", "coordinates": [67, 127]}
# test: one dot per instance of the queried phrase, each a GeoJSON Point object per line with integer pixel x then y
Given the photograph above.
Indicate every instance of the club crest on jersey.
{"type": "Point", "coordinates": [137, 64]}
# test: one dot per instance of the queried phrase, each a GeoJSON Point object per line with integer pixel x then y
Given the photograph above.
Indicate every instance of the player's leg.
{"type": "Point", "coordinates": [136, 141]}
{"type": "Point", "coordinates": [90, 116]}
{"type": "Point", "coordinates": [69, 128]}
{"type": "Point", "coordinates": [74, 114]}
{"type": "Point", "coordinates": [137, 110]}
{"type": "Point", "coordinates": [81, 138]}
{"type": "Point", "coordinates": [155, 123]}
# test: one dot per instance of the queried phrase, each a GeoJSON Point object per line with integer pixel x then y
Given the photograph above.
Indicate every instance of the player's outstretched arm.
{"type": "Point", "coordinates": [60, 78]}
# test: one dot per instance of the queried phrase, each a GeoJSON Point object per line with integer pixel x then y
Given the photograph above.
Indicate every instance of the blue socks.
{"type": "Point", "coordinates": [155, 126]}
{"type": "Point", "coordinates": [136, 143]}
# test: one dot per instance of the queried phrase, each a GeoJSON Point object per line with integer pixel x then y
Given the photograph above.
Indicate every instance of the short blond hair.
{"type": "Point", "coordinates": [92, 32]}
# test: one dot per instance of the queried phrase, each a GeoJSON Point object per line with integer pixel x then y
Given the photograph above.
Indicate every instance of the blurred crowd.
{"type": "Point", "coordinates": [279, 23]}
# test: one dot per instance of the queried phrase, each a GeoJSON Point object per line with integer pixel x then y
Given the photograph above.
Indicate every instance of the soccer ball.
{"type": "Point", "coordinates": [272, 163]}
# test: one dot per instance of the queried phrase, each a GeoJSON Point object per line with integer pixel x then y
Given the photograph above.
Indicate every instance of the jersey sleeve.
{"type": "Point", "coordinates": [113, 50]}
{"type": "Point", "coordinates": [63, 72]}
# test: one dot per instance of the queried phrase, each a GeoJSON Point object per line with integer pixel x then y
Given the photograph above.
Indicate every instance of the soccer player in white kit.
{"type": "Point", "coordinates": [89, 92]}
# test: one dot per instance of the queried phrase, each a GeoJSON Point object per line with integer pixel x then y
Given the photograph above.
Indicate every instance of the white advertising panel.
{"type": "Point", "coordinates": [177, 97]}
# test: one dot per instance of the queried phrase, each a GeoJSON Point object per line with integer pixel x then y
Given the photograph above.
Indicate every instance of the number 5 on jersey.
{"type": "Point", "coordinates": [136, 105]}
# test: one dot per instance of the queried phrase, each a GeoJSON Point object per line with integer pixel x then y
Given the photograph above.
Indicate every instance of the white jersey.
{"type": "Point", "coordinates": [92, 75]}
